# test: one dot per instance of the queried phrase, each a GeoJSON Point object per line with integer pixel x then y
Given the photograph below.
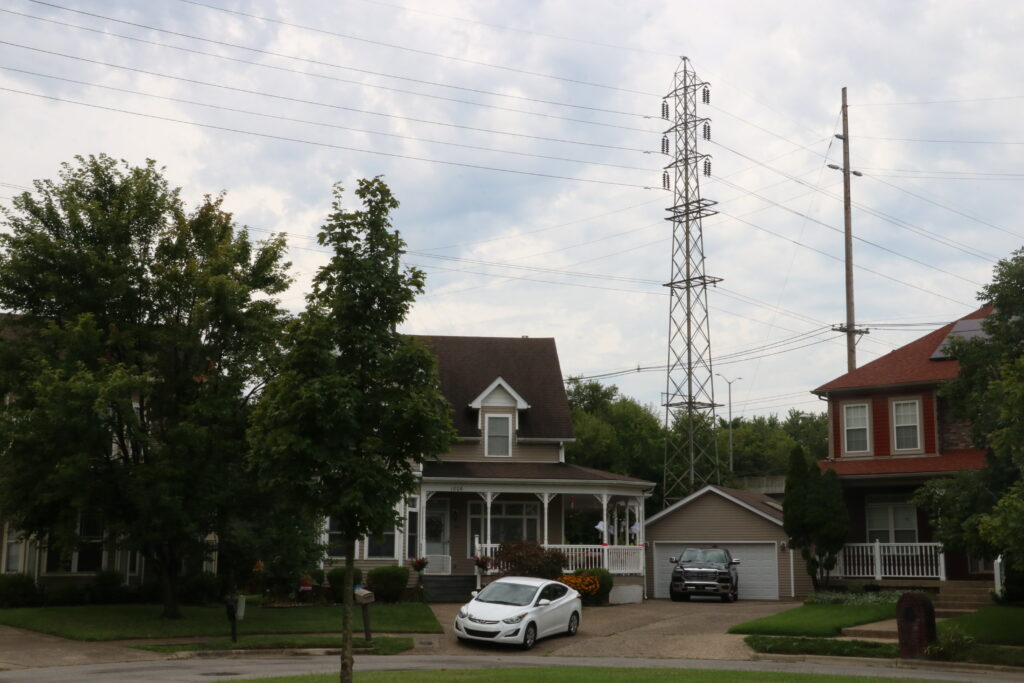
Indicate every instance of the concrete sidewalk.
{"type": "Point", "coordinates": [20, 649]}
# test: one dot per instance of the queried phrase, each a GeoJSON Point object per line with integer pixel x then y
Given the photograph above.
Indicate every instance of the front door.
{"type": "Point", "coordinates": [437, 527]}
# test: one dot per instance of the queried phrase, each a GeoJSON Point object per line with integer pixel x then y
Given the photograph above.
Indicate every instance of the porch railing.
{"type": "Point", "coordinates": [892, 561]}
{"type": "Point", "coordinates": [617, 559]}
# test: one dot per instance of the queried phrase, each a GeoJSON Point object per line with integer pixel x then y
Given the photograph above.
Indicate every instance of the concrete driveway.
{"type": "Point", "coordinates": [654, 628]}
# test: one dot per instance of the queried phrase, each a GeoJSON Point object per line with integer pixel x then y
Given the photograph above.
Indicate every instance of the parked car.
{"type": "Point", "coordinates": [519, 610]}
{"type": "Point", "coordinates": [705, 571]}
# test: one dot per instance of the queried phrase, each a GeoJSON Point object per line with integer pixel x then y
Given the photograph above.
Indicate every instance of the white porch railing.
{"type": "Point", "coordinates": [892, 561]}
{"type": "Point", "coordinates": [439, 564]}
{"type": "Point", "coordinates": [617, 559]}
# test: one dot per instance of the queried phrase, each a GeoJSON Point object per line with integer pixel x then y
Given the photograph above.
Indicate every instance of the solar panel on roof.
{"type": "Point", "coordinates": [963, 329]}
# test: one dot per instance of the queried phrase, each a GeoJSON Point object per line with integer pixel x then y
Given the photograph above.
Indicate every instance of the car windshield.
{"type": "Point", "coordinates": [506, 593]}
{"type": "Point", "coordinates": [704, 555]}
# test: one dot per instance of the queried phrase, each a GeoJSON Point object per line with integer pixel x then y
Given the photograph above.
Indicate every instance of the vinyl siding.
{"type": "Point", "coordinates": [520, 452]}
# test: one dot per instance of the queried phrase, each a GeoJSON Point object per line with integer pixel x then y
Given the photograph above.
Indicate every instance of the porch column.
{"type": "Point", "coordinates": [421, 522]}
{"type": "Point", "coordinates": [488, 497]}
{"type": "Point", "coordinates": [604, 497]}
{"type": "Point", "coordinates": [545, 498]}
{"type": "Point", "coordinates": [641, 536]}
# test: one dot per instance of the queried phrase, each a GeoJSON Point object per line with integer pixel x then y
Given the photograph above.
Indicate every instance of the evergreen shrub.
{"type": "Point", "coordinates": [387, 583]}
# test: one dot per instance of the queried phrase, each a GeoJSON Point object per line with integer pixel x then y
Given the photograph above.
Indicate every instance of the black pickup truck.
{"type": "Point", "coordinates": [704, 571]}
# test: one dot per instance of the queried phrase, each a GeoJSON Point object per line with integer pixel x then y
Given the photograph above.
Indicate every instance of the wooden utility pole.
{"type": "Point", "coordinates": [851, 328]}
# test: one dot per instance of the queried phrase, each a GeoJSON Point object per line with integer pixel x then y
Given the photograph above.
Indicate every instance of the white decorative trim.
{"type": "Point", "coordinates": [487, 440]}
{"type": "Point", "coordinates": [477, 402]}
{"type": "Point", "coordinates": [723, 494]}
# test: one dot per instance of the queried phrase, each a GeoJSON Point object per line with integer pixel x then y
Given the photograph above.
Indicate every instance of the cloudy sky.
{"type": "Point", "coordinates": [524, 148]}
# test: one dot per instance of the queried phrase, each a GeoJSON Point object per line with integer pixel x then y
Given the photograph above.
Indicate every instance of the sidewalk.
{"type": "Point", "coordinates": [21, 649]}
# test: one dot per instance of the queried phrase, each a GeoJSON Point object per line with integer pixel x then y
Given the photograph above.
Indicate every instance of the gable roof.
{"type": "Point", "coordinates": [758, 503]}
{"type": "Point", "coordinates": [469, 365]}
{"type": "Point", "coordinates": [909, 364]}
{"type": "Point", "coordinates": [477, 402]}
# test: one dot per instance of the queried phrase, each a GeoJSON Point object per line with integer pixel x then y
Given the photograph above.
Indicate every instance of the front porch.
{"type": "Point", "coordinates": [880, 561]}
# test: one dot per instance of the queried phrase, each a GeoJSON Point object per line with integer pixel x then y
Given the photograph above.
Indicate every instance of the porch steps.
{"type": "Point", "coordinates": [449, 588]}
{"type": "Point", "coordinates": [962, 597]}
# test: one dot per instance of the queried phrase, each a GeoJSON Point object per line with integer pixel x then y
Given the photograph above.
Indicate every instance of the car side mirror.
{"type": "Point", "coordinates": [542, 602]}
{"type": "Point", "coordinates": [734, 561]}
{"type": "Point", "coordinates": [474, 594]}
{"type": "Point", "coordinates": [673, 559]}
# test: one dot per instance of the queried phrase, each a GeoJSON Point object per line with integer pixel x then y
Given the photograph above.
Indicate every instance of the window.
{"type": "Point", "coordinates": [13, 552]}
{"type": "Point", "coordinates": [381, 546]}
{"type": "Point", "coordinates": [335, 539]}
{"type": "Point", "coordinates": [412, 528]}
{"type": "Point", "coordinates": [509, 522]}
{"type": "Point", "coordinates": [906, 425]}
{"type": "Point", "coordinates": [855, 428]}
{"type": "Point", "coordinates": [892, 522]}
{"type": "Point", "coordinates": [499, 435]}
{"type": "Point", "coordinates": [87, 557]}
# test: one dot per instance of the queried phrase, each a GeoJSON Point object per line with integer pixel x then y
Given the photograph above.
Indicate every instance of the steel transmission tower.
{"type": "Point", "coordinates": [691, 452]}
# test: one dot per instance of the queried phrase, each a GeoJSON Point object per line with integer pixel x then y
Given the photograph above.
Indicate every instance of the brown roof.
{"type": "Point", "coordinates": [949, 461]}
{"type": "Point", "coordinates": [522, 470]}
{"type": "Point", "coordinates": [759, 501]}
{"type": "Point", "coordinates": [468, 365]}
{"type": "Point", "coordinates": [909, 364]}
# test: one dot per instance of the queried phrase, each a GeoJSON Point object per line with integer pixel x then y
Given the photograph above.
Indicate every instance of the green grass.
{"type": "Point", "coordinates": [829, 647]}
{"type": "Point", "coordinates": [580, 674]}
{"type": "Point", "coordinates": [995, 655]}
{"type": "Point", "coordinates": [996, 625]}
{"type": "Point", "coordinates": [381, 645]}
{"type": "Point", "coordinates": [116, 622]}
{"type": "Point", "coordinates": [816, 620]}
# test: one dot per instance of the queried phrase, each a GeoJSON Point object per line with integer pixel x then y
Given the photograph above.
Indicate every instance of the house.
{"type": "Point", "coordinates": [889, 433]}
{"type": "Point", "coordinates": [506, 477]}
{"type": "Point", "coordinates": [747, 523]}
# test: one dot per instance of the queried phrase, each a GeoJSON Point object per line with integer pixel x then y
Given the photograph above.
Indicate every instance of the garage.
{"type": "Point", "coordinates": [758, 570]}
{"type": "Point", "coordinates": [746, 523]}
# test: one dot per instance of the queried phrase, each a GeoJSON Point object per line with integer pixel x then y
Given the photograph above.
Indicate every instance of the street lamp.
{"type": "Point", "coordinates": [729, 382]}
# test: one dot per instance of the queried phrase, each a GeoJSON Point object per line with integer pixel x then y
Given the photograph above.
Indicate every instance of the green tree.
{"type": "Point", "coordinates": [982, 512]}
{"type": "Point", "coordinates": [761, 446]}
{"type": "Point", "coordinates": [810, 430]}
{"type": "Point", "coordinates": [355, 406]}
{"type": "Point", "coordinates": [140, 331]}
{"type": "Point", "coordinates": [815, 516]}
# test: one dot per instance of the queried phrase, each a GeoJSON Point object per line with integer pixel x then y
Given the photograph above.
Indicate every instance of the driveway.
{"type": "Point", "coordinates": [25, 649]}
{"type": "Point", "coordinates": [654, 628]}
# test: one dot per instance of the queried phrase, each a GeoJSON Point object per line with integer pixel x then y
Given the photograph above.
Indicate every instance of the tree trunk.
{"type": "Point", "coordinates": [169, 565]}
{"type": "Point", "coordinates": [346, 615]}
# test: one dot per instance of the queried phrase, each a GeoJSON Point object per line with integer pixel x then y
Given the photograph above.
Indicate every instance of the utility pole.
{"type": "Point", "coordinates": [729, 382]}
{"type": "Point", "coordinates": [850, 328]}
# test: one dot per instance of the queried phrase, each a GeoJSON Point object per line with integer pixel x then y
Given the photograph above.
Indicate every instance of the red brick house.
{"type": "Point", "coordinates": [889, 433]}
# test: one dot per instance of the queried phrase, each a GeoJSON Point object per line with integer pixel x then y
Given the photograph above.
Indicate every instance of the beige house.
{"type": "Point", "coordinates": [746, 523]}
{"type": "Point", "coordinates": [506, 477]}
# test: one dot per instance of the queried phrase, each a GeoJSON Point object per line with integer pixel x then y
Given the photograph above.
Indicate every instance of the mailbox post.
{"type": "Point", "coordinates": [915, 622]}
{"type": "Point", "coordinates": [363, 599]}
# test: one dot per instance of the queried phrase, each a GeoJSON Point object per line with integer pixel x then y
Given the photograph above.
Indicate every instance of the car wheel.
{"type": "Point", "coordinates": [679, 597]}
{"type": "Point", "coordinates": [574, 624]}
{"type": "Point", "coordinates": [735, 593]}
{"type": "Point", "coordinates": [728, 597]}
{"type": "Point", "coordinates": [530, 636]}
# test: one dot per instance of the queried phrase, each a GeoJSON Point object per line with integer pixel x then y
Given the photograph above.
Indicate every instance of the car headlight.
{"type": "Point", "coordinates": [463, 612]}
{"type": "Point", "coordinates": [516, 619]}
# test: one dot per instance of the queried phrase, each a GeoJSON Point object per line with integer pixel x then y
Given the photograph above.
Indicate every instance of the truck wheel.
{"type": "Point", "coordinates": [679, 597]}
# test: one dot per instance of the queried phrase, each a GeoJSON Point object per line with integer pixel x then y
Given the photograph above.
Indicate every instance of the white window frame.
{"type": "Point", "coordinates": [867, 426]}
{"type": "Point", "coordinates": [9, 538]}
{"type": "Point", "coordinates": [889, 505]}
{"type": "Point", "coordinates": [919, 448]}
{"type": "Point", "coordinates": [487, 435]}
{"type": "Point", "coordinates": [498, 511]}
{"type": "Point", "coordinates": [104, 553]}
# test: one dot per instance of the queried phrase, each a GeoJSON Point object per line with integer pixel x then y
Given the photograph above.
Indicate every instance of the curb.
{"type": "Point", "coordinates": [882, 663]}
{"type": "Point", "coordinates": [255, 652]}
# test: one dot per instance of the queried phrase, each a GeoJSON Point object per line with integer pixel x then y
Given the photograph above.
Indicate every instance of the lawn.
{"type": "Point", "coordinates": [996, 625]}
{"type": "Point", "coordinates": [579, 674]}
{"type": "Point", "coordinates": [828, 647]}
{"type": "Point", "coordinates": [116, 622]}
{"type": "Point", "coordinates": [816, 620]}
{"type": "Point", "coordinates": [381, 645]}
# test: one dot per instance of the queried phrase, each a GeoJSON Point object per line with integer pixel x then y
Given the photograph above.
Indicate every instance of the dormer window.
{"type": "Point", "coordinates": [498, 435]}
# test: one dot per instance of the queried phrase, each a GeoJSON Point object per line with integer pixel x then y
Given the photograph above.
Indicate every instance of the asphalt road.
{"type": "Point", "coordinates": [196, 670]}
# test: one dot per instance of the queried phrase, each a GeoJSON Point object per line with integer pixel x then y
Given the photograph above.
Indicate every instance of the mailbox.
{"type": "Point", "coordinates": [915, 622]}
{"type": "Point", "coordinates": [363, 596]}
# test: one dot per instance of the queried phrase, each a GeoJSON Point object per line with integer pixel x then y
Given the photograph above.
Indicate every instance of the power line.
{"type": "Point", "coordinates": [323, 76]}
{"type": "Point", "coordinates": [323, 124]}
{"type": "Point", "coordinates": [1002, 98]}
{"type": "Point", "coordinates": [317, 103]}
{"type": "Point", "coordinates": [283, 138]}
{"type": "Point", "coordinates": [946, 142]}
{"type": "Point", "coordinates": [406, 48]}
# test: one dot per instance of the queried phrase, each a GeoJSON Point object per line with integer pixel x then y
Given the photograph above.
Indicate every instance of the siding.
{"type": "Point", "coordinates": [711, 519]}
{"type": "Point", "coordinates": [521, 452]}
{"type": "Point", "coordinates": [881, 422]}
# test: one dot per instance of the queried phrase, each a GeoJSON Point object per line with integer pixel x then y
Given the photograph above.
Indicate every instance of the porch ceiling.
{"type": "Point", "coordinates": [563, 476]}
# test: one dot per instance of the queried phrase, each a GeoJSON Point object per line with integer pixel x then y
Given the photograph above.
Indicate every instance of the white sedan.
{"type": "Point", "coordinates": [519, 610]}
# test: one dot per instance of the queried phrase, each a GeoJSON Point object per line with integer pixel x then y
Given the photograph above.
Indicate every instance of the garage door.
{"type": "Point", "coordinates": [758, 570]}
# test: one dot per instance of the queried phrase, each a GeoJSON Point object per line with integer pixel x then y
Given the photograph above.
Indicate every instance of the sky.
{"type": "Point", "coordinates": [524, 147]}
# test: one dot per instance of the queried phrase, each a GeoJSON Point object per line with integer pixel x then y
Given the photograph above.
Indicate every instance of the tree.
{"type": "Point", "coordinates": [814, 515]}
{"type": "Point", "coordinates": [354, 406]}
{"type": "Point", "coordinates": [139, 334]}
{"type": "Point", "coordinates": [982, 512]}
{"type": "Point", "coordinates": [761, 446]}
{"type": "Point", "coordinates": [810, 430]}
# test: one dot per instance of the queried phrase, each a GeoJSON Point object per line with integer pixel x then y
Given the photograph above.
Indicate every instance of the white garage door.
{"type": "Point", "coordinates": [758, 570]}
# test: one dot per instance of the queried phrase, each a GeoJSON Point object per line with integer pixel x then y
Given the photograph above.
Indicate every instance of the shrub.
{"type": "Point", "coordinates": [952, 645]}
{"type": "Point", "coordinates": [150, 590]}
{"type": "Point", "coordinates": [317, 575]}
{"type": "Point", "coordinates": [586, 586]}
{"type": "Point", "coordinates": [201, 588]}
{"type": "Point", "coordinates": [336, 577]}
{"type": "Point", "coordinates": [388, 583]}
{"type": "Point", "coordinates": [18, 590]}
{"type": "Point", "coordinates": [605, 583]}
{"type": "Point", "coordinates": [108, 587]}
{"type": "Point", "coordinates": [66, 593]}
{"type": "Point", "coordinates": [526, 558]}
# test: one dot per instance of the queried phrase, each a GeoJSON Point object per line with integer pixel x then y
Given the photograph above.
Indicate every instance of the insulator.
{"type": "Point", "coordinates": [664, 144]}
{"type": "Point", "coordinates": [706, 95]}
{"type": "Point", "coordinates": [664, 110]}
{"type": "Point", "coordinates": [707, 130]}
{"type": "Point", "coordinates": [707, 167]}
{"type": "Point", "coordinates": [664, 179]}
